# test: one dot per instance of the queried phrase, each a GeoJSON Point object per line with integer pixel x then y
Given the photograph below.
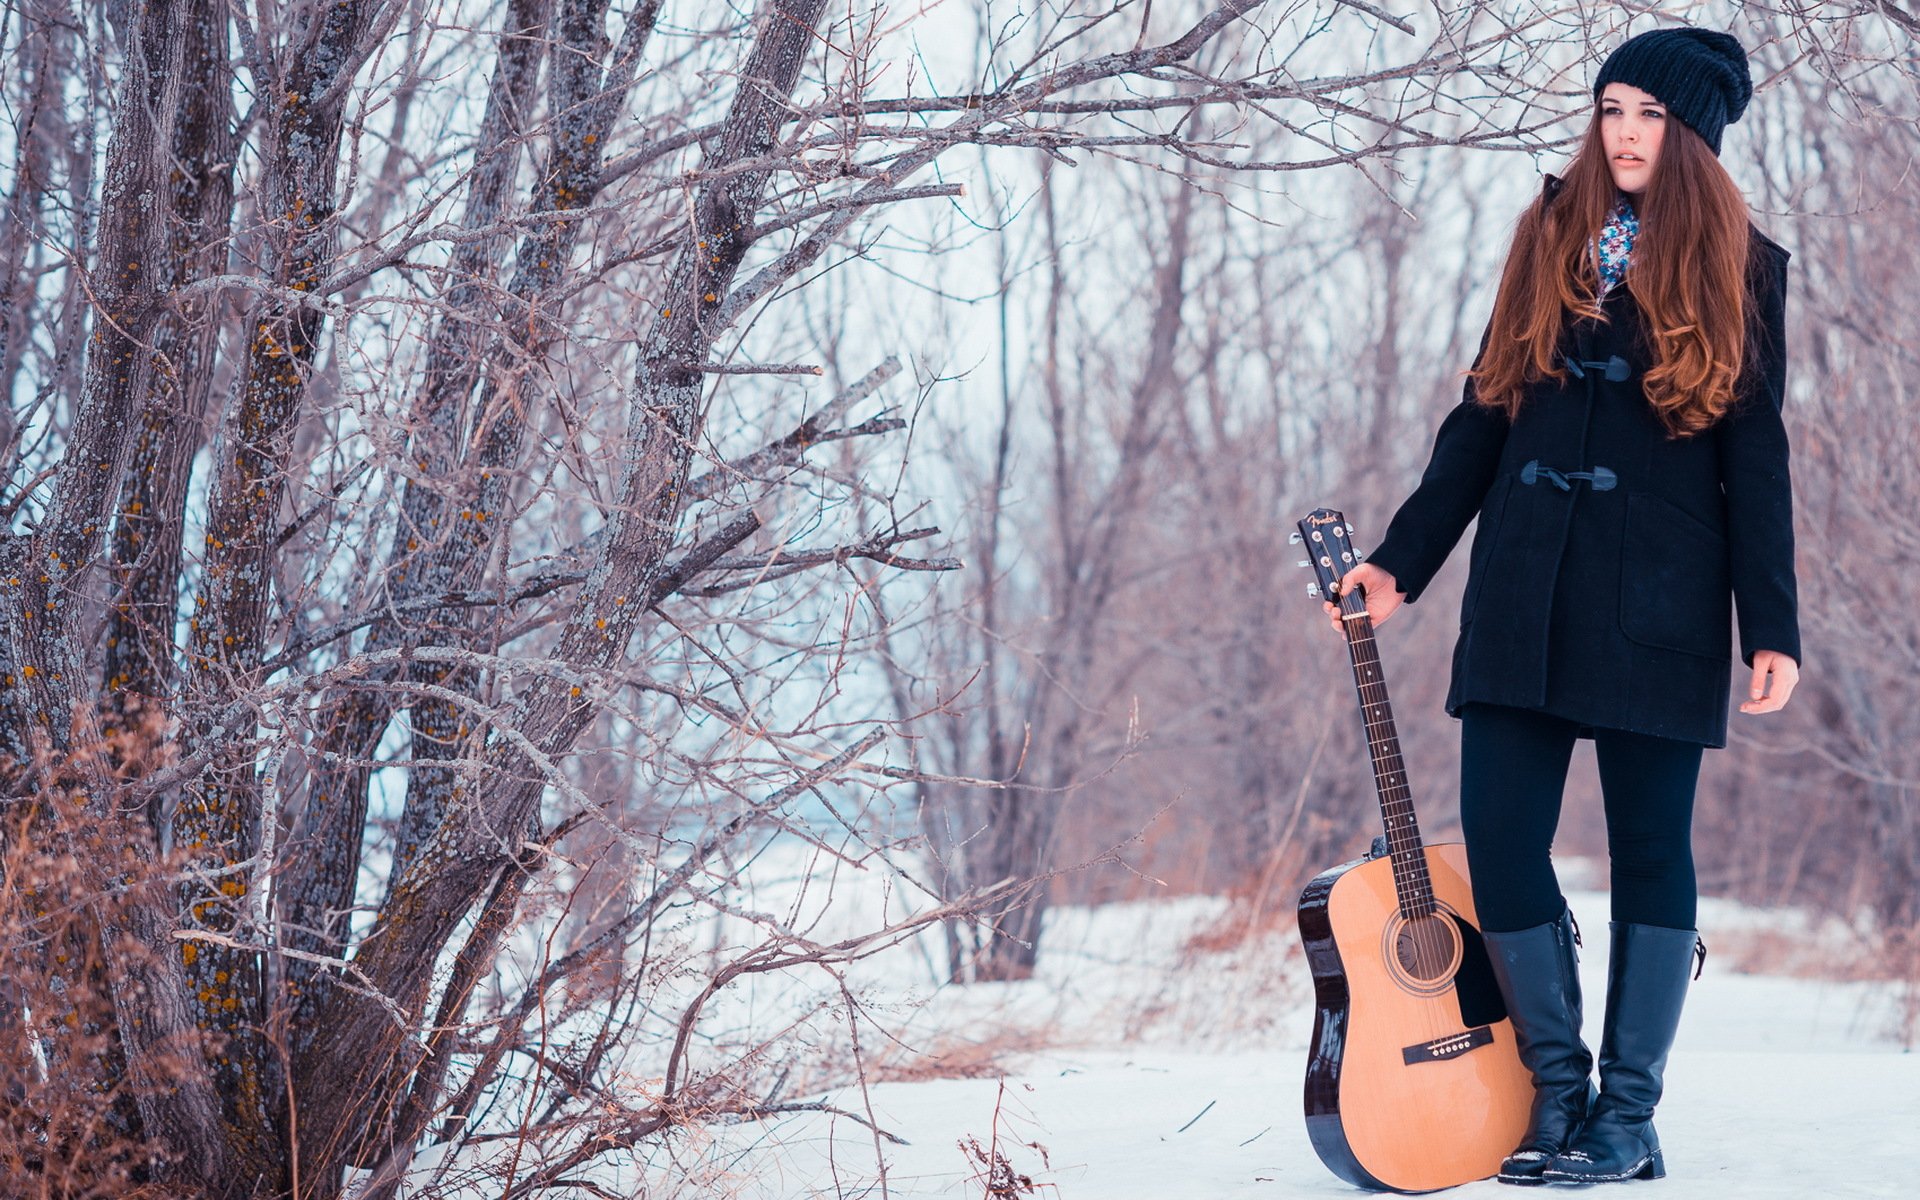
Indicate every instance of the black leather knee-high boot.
{"type": "Point", "coordinates": [1539, 978]}
{"type": "Point", "coordinates": [1646, 983]}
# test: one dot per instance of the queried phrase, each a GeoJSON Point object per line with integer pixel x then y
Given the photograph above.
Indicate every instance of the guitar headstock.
{"type": "Point", "coordinates": [1328, 535]}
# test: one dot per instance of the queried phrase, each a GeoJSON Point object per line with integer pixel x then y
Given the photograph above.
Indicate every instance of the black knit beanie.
{"type": "Point", "coordinates": [1699, 74]}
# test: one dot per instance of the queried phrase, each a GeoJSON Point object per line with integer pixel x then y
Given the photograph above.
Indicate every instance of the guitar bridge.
{"type": "Point", "coordinates": [1451, 1046]}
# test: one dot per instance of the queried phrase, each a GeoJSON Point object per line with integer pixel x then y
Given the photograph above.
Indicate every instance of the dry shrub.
{"type": "Point", "coordinates": [994, 1171]}
{"type": "Point", "coordinates": [1260, 905]}
{"type": "Point", "coordinates": [955, 1056]}
{"type": "Point", "coordinates": [69, 1121]}
{"type": "Point", "coordinates": [1790, 954]}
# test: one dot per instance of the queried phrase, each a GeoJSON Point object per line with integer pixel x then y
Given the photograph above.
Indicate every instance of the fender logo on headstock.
{"type": "Point", "coordinates": [1326, 532]}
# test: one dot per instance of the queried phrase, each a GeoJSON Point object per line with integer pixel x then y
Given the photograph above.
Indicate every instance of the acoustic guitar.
{"type": "Point", "coordinates": [1413, 1081]}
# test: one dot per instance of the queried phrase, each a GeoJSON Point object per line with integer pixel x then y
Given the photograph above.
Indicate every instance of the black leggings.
{"type": "Point", "coordinates": [1513, 769]}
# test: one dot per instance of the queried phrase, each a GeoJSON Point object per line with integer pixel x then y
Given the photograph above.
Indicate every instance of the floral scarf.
{"type": "Point", "coordinates": [1615, 243]}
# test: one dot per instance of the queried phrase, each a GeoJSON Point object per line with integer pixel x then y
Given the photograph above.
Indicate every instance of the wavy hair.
{"type": "Point", "coordinates": [1690, 274]}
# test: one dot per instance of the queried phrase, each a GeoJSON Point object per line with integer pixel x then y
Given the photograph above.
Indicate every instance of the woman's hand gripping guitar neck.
{"type": "Point", "coordinates": [1377, 585]}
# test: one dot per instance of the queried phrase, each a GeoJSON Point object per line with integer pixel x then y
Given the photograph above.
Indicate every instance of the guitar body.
{"type": "Point", "coordinates": [1413, 1083]}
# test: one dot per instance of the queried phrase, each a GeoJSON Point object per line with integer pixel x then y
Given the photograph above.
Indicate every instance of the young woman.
{"type": "Point", "coordinates": [1620, 441]}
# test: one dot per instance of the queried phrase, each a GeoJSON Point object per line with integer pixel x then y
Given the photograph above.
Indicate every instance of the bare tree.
{"type": "Point", "coordinates": [319, 418]}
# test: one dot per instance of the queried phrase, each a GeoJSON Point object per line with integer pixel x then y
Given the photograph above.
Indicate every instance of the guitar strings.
{"type": "Point", "coordinates": [1422, 920]}
{"type": "Point", "coordinates": [1402, 829]}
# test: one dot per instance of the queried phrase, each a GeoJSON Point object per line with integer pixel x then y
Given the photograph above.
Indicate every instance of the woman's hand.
{"type": "Point", "coordinates": [1382, 593]}
{"type": "Point", "coordinates": [1785, 673]}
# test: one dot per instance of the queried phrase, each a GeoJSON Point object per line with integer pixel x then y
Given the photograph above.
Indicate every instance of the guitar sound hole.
{"type": "Point", "coordinates": [1425, 948]}
{"type": "Point", "coordinates": [1424, 952]}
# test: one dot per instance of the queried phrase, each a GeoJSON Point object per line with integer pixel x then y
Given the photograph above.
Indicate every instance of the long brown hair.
{"type": "Point", "coordinates": [1689, 274]}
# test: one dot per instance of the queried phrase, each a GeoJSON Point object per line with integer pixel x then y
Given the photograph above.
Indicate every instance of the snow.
{"type": "Point", "coordinates": [1159, 1054]}
{"type": "Point", "coordinates": [1777, 1087]}
{"type": "Point", "coordinates": [1161, 1124]}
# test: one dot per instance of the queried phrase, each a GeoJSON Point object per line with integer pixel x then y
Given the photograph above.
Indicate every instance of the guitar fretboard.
{"type": "Point", "coordinates": [1410, 878]}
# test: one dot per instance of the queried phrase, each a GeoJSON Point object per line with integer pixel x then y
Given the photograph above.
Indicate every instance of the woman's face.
{"type": "Point", "coordinates": [1632, 124]}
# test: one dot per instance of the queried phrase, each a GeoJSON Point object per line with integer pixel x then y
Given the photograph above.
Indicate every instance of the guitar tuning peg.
{"type": "Point", "coordinates": [1305, 562]}
{"type": "Point", "coordinates": [1294, 538]}
{"type": "Point", "coordinates": [1313, 589]}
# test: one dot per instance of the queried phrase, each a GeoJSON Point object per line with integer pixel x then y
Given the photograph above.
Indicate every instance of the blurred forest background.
{"type": "Point", "coordinates": [478, 474]}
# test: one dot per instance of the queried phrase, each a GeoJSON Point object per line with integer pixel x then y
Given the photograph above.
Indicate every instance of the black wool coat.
{"type": "Point", "coordinates": [1606, 599]}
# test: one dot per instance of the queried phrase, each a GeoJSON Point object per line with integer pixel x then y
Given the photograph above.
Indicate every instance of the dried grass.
{"type": "Point", "coordinates": [973, 1054]}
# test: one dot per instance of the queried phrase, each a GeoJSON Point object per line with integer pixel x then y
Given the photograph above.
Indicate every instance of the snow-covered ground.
{"type": "Point", "coordinates": [1178, 1074]}
{"type": "Point", "coordinates": [1119, 1125]}
{"type": "Point", "coordinates": [1159, 1052]}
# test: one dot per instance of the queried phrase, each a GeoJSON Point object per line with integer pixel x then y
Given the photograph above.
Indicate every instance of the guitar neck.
{"type": "Point", "coordinates": [1410, 878]}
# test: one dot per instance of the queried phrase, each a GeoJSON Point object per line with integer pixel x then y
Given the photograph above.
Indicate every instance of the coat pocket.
{"type": "Point", "coordinates": [1675, 580]}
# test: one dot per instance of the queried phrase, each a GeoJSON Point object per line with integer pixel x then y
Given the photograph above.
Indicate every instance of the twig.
{"type": "Point", "coordinates": [1203, 1112]}
{"type": "Point", "coordinates": [386, 1001]}
{"type": "Point", "coordinates": [753, 368]}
